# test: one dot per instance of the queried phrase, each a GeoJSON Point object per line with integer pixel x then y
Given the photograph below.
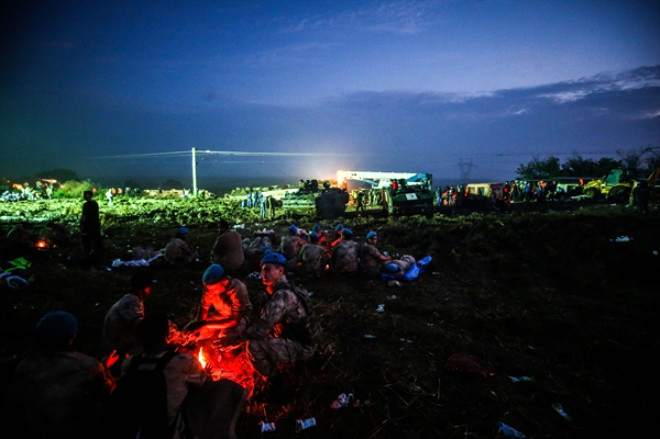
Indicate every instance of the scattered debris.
{"type": "Point", "coordinates": [304, 424]}
{"type": "Point", "coordinates": [509, 431]}
{"type": "Point", "coordinates": [343, 400]}
{"type": "Point", "coordinates": [13, 281]}
{"type": "Point", "coordinates": [267, 427]}
{"type": "Point", "coordinates": [560, 410]}
{"type": "Point", "coordinates": [520, 379]}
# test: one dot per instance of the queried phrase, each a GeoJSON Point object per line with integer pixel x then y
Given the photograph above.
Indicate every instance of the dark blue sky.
{"type": "Point", "coordinates": [414, 86]}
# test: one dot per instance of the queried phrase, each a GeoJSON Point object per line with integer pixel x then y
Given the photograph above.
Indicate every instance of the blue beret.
{"type": "Point", "coordinates": [347, 232]}
{"type": "Point", "coordinates": [57, 325]}
{"type": "Point", "coordinates": [213, 274]}
{"type": "Point", "coordinates": [391, 268]}
{"type": "Point", "coordinates": [371, 234]}
{"type": "Point", "coordinates": [273, 258]}
{"type": "Point", "coordinates": [182, 231]}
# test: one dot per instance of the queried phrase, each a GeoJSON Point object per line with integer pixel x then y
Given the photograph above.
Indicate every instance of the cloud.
{"type": "Point", "coordinates": [641, 78]}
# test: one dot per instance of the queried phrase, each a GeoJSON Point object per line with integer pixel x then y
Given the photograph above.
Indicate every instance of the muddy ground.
{"type": "Point", "coordinates": [548, 295]}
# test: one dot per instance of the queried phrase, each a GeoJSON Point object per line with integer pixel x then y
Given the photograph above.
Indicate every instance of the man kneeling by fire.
{"type": "Point", "coordinates": [286, 331]}
{"type": "Point", "coordinates": [224, 309]}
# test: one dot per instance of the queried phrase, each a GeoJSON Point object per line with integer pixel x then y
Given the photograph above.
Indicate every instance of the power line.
{"type": "Point", "coordinates": [230, 154]}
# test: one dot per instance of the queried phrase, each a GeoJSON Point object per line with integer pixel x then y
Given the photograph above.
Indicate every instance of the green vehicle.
{"type": "Point", "coordinates": [324, 203]}
{"type": "Point", "coordinates": [409, 200]}
{"type": "Point", "coordinates": [397, 193]}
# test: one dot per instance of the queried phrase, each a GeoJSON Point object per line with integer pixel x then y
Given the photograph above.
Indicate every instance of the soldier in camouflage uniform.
{"type": "Point", "coordinates": [178, 251]}
{"type": "Point", "coordinates": [346, 254]}
{"type": "Point", "coordinates": [313, 256]}
{"type": "Point", "coordinates": [290, 246]}
{"type": "Point", "coordinates": [57, 391]}
{"type": "Point", "coordinates": [228, 249]}
{"type": "Point", "coordinates": [371, 259]}
{"type": "Point", "coordinates": [399, 267]}
{"type": "Point", "coordinates": [225, 306]}
{"type": "Point", "coordinates": [120, 323]}
{"type": "Point", "coordinates": [276, 337]}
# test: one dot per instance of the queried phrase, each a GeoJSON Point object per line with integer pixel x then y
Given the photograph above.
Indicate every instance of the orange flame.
{"type": "Point", "coordinates": [202, 358]}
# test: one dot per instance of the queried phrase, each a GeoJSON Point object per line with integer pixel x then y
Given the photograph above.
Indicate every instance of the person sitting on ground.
{"type": "Point", "coordinates": [279, 336]}
{"type": "Point", "coordinates": [255, 251]}
{"type": "Point", "coordinates": [57, 391]}
{"type": "Point", "coordinates": [371, 259]}
{"type": "Point", "coordinates": [290, 246]}
{"type": "Point", "coordinates": [225, 307]}
{"type": "Point", "coordinates": [337, 239]}
{"type": "Point", "coordinates": [228, 249]}
{"type": "Point", "coordinates": [178, 251]}
{"type": "Point", "coordinates": [58, 234]}
{"type": "Point", "coordinates": [139, 411]}
{"type": "Point", "coordinates": [20, 241]}
{"type": "Point", "coordinates": [313, 256]}
{"type": "Point", "coordinates": [323, 238]}
{"type": "Point", "coordinates": [121, 320]}
{"type": "Point", "coordinates": [346, 254]}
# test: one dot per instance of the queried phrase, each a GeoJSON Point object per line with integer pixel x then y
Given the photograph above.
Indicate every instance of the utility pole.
{"type": "Point", "coordinates": [194, 173]}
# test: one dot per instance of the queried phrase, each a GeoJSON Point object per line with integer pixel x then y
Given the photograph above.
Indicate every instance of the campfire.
{"type": "Point", "coordinates": [41, 244]}
{"type": "Point", "coordinates": [231, 364]}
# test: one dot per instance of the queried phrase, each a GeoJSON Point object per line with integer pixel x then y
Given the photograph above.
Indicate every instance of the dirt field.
{"type": "Point", "coordinates": [547, 295]}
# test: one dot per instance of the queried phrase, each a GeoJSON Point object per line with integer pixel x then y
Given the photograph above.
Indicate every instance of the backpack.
{"type": "Point", "coordinates": [139, 403]}
{"type": "Point", "coordinates": [308, 329]}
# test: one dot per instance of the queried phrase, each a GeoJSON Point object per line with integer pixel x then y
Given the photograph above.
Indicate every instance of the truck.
{"type": "Point", "coordinates": [617, 185]}
{"type": "Point", "coordinates": [363, 192]}
{"type": "Point", "coordinates": [324, 202]}
{"type": "Point", "coordinates": [391, 193]}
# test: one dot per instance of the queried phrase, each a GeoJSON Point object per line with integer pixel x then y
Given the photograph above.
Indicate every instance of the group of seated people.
{"type": "Point", "coordinates": [58, 391]}
{"type": "Point", "coordinates": [329, 249]}
{"type": "Point", "coordinates": [333, 251]}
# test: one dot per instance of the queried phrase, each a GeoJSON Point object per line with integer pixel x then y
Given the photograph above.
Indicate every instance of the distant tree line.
{"type": "Point", "coordinates": [637, 163]}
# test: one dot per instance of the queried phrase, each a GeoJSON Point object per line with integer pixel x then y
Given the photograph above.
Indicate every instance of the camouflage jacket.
{"type": "Point", "coordinates": [346, 256]}
{"type": "Point", "coordinates": [58, 394]}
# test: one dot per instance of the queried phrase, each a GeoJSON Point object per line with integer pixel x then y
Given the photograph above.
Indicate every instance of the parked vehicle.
{"type": "Point", "coordinates": [617, 185]}
{"type": "Point", "coordinates": [392, 193]}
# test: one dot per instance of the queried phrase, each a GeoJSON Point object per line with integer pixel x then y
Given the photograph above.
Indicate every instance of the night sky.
{"type": "Point", "coordinates": [125, 89]}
